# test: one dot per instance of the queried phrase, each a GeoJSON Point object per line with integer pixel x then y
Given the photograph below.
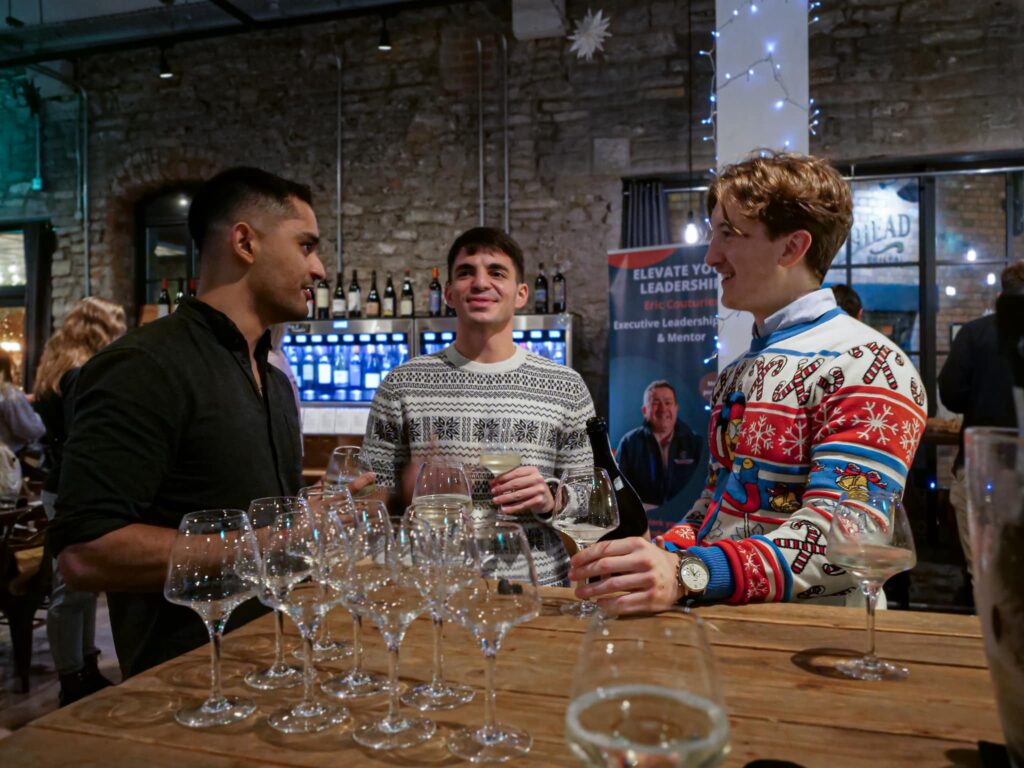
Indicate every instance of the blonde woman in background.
{"type": "Point", "coordinates": [71, 619]}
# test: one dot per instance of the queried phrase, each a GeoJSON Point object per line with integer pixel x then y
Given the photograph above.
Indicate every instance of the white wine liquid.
{"type": "Point", "coordinates": [434, 508]}
{"type": "Point", "coordinates": [646, 726]}
{"type": "Point", "coordinates": [500, 463]}
{"type": "Point", "coordinates": [871, 562]}
{"type": "Point", "coordinates": [583, 534]}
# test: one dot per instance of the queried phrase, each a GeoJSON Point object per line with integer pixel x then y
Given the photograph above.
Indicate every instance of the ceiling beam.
{"type": "Point", "coordinates": [232, 10]}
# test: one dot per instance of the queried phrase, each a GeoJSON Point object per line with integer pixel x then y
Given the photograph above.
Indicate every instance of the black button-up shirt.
{"type": "Point", "coordinates": [169, 420]}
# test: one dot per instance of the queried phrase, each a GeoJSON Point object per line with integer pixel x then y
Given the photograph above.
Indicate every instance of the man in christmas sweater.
{"type": "Point", "coordinates": [820, 405]}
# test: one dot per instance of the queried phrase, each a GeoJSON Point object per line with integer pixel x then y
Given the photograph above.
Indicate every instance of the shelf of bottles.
{"type": "Point", "coordinates": [342, 362]}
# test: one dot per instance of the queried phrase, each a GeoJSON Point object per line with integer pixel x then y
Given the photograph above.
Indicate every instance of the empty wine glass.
{"type": "Point", "coordinates": [290, 584]}
{"type": "Point", "coordinates": [440, 481]}
{"type": "Point", "coordinates": [870, 538]}
{"type": "Point", "coordinates": [322, 501]}
{"type": "Point", "coordinates": [585, 510]}
{"type": "Point", "coordinates": [489, 607]}
{"type": "Point", "coordinates": [347, 463]}
{"type": "Point", "coordinates": [214, 567]}
{"type": "Point", "coordinates": [392, 583]}
{"type": "Point", "coordinates": [647, 694]}
{"type": "Point", "coordinates": [362, 529]}
{"type": "Point", "coordinates": [456, 564]}
{"type": "Point", "coordinates": [279, 674]}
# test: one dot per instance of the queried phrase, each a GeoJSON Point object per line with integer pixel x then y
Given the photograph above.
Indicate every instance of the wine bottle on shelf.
{"type": "Point", "coordinates": [435, 301]}
{"type": "Point", "coordinates": [558, 301]}
{"type": "Point", "coordinates": [373, 298]}
{"type": "Point", "coordinates": [180, 294]}
{"type": "Point", "coordinates": [163, 301]}
{"type": "Point", "coordinates": [323, 299]}
{"type": "Point", "coordinates": [355, 297]}
{"type": "Point", "coordinates": [632, 516]}
{"type": "Point", "coordinates": [339, 308]}
{"type": "Point", "coordinates": [540, 293]}
{"type": "Point", "coordinates": [407, 306]}
{"type": "Point", "coordinates": [388, 305]}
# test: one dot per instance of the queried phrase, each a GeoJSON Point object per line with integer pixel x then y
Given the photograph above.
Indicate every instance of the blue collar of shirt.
{"type": "Point", "coordinates": [808, 307]}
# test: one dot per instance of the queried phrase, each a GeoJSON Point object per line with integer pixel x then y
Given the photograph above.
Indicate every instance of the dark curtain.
{"type": "Point", "coordinates": [40, 243]}
{"type": "Point", "coordinates": [644, 214]}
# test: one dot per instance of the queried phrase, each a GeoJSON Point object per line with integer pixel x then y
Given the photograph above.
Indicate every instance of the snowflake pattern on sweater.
{"type": "Point", "coordinates": [810, 412]}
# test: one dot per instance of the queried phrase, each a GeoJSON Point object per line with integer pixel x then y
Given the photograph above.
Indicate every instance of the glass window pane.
{"type": "Point", "coordinates": [1017, 215]}
{"type": "Point", "coordinates": [965, 293]}
{"type": "Point", "coordinates": [12, 259]}
{"type": "Point", "coordinates": [970, 218]}
{"type": "Point", "coordinates": [12, 337]}
{"type": "Point", "coordinates": [885, 221]}
{"type": "Point", "coordinates": [891, 303]}
{"type": "Point", "coordinates": [680, 207]}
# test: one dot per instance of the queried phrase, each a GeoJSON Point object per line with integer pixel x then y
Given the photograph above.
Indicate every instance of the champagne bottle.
{"type": "Point", "coordinates": [163, 301]}
{"type": "Point", "coordinates": [540, 293]}
{"type": "Point", "coordinates": [407, 306]}
{"type": "Point", "coordinates": [323, 299]}
{"type": "Point", "coordinates": [180, 294]}
{"type": "Point", "coordinates": [558, 289]}
{"type": "Point", "coordinates": [632, 516]}
{"type": "Point", "coordinates": [373, 298]}
{"type": "Point", "coordinates": [339, 308]}
{"type": "Point", "coordinates": [388, 306]}
{"type": "Point", "coordinates": [355, 297]}
{"type": "Point", "coordinates": [434, 303]}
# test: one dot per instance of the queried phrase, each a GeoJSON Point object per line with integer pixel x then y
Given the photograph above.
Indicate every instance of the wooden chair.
{"type": "Point", "coordinates": [25, 575]}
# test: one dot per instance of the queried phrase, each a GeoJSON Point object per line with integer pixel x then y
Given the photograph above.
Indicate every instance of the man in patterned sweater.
{"type": "Point", "coordinates": [819, 405]}
{"type": "Point", "coordinates": [485, 388]}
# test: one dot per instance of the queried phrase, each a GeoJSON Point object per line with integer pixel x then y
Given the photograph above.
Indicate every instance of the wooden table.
{"type": "Point", "coordinates": [781, 700]}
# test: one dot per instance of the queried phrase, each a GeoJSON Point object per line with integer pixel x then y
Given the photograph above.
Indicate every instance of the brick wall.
{"type": "Point", "coordinates": [893, 78]}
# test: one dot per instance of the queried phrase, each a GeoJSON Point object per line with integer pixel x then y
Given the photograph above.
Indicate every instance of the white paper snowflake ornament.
{"type": "Point", "coordinates": [591, 32]}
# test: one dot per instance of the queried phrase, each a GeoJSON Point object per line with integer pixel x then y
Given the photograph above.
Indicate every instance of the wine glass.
{"type": "Point", "coordinates": [440, 481]}
{"type": "Point", "coordinates": [647, 694]}
{"type": "Point", "coordinates": [290, 584]}
{"type": "Point", "coordinates": [361, 529]}
{"type": "Point", "coordinates": [214, 567]}
{"type": "Point", "coordinates": [347, 463]}
{"type": "Point", "coordinates": [585, 510]}
{"type": "Point", "coordinates": [456, 564]}
{"type": "Point", "coordinates": [279, 674]}
{"type": "Point", "coordinates": [870, 538]}
{"type": "Point", "coordinates": [499, 457]}
{"type": "Point", "coordinates": [504, 594]}
{"type": "Point", "coordinates": [322, 501]}
{"type": "Point", "coordinates": [391, 584]}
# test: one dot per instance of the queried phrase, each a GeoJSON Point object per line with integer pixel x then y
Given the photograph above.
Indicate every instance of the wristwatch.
{"type": "Point", "coordinates": [693, 575]}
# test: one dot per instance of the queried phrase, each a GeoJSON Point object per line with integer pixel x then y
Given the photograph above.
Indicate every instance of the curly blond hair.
{"type": "Point", "coordinates": [788, 192]}
{"type": "Point", "coordinates": [90, 325]}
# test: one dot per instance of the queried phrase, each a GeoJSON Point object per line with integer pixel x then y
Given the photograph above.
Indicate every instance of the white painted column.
{"type": "Point", "coordinates": [761, 102]}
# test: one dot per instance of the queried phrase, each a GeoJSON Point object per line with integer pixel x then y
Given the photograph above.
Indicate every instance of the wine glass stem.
{"type": "Point", "coordinates": [278, 635]}
{"type": "Point", "coordinates": [308, 671]}
{"type": "Point", "coordinates": [393, 702]}
{"type": "Point", "coordinates": [438, 657]}
{"type": "Point", "coordinates": [357, 643]}
{"type": "Point", "coordinates": [324, 635]}
{"type": "Point", "coordinates": [215, 637]}
{"type": "Point", "coordinates": [490, 718]}
{"type": "Point", "coordinates": [871, 593]}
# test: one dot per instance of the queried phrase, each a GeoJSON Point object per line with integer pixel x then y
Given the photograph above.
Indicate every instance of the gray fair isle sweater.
{"type": "Point", "coordinates": [447, 406]}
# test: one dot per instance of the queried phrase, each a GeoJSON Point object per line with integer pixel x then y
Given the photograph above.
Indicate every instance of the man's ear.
{"type": "Point", "coordinates": [797, 245]}
{"type": "Point", "coordinates": [522, 295]}
{"type": "Point", "coordinates": [243, 238]}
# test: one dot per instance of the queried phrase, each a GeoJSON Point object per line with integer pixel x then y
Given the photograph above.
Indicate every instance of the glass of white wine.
{"type": "Point", "coordinates": [498, 457]}
{"type": "Point", "coordinates": [870, 538]}
{"type": "Point", "coordinates": [214, 567]}
{"type": "Point", "coordinates": [440, 481]}
{"type": "Point", "coordinates": [585, 510]}
{"type": "Point", "coordinates": [647, 694]}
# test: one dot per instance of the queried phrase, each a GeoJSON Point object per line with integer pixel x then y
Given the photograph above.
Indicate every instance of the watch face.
{"type": "Point", "coordinates": [694, 575]}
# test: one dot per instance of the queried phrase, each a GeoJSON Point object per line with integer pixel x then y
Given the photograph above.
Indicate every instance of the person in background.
{"type": "Point", "coordinates": [71, 616]}
{"type": "Point", "coordinates": [818, 407]}
{"type": "Point", "coordinates": [485, 387]}
{"type": "Point", "coordinates": [659, 457]}
{"type": "Point", "coordinates": [19, 424]}
{"type": "Point", "coordinates": [977, 381]}
{"type": "Point", "coordinates": [848, 300]}
{"type": "Point", "coordinates": [185, 413]}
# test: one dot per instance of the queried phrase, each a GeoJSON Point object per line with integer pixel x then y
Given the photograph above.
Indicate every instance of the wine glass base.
{"type": "Point", "coordinates": [329, 651]}
{"type": "Point", "coordinates": [444, 695]}
{"type": "Point", "coordinates": [494, 745]}
{"type": "Point", "coordinates": [309, 718]}
{"type": "Point", "coordinates": [862, 669]}
{"type": "Point", "coordinates": [583, 609]}
{"type": "Point", "coordinates": [276, 677]}
{"type": "Point", "coordinates": [404, 732]}
{"type": "Point", "coordinates": [223, 711]}
{"type": "Point", "coordinates": [355, 685]}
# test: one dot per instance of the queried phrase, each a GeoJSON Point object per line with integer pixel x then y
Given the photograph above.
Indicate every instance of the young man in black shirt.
{"type": "Point", "coordinates": [185, 414]}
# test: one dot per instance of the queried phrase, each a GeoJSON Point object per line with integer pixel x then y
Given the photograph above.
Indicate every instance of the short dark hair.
{"type": "Point", "coordinates": [1012, 278]}
{"type": "Point", "coordinates": [847, 299]}
{"type": "Point", "coordinates": [660, 384]}
{"type": "Point", "coordinates": [221, 198]}
{"type": "Point", "coordinates": [487, 238]}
